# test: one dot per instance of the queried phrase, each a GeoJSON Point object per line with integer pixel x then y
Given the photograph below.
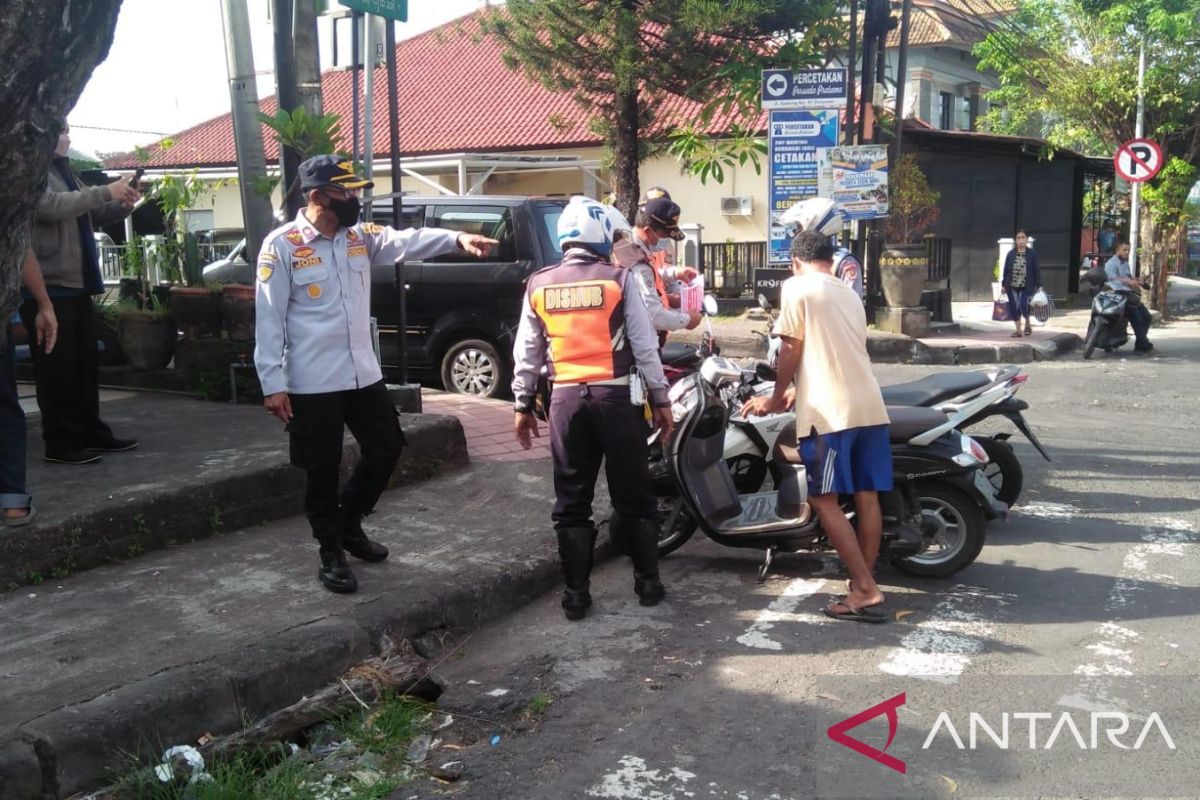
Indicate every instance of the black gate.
{"type": "Point", "coordinates": [728, 267]}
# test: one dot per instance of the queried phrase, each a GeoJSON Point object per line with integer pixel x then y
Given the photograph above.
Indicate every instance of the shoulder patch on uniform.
{"type": "Point", "coordinates": [265, 271]}
{"type": "Point", "coordinates": [371, 228]}
{"type": "Point", "coordinates": [267, 257]}
{"type": "Point", "coordinates": [294, 237]}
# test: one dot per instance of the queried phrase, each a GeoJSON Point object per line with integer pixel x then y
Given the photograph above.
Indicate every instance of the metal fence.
{"type": "Point", "coordinates": [113, 258]}
{"type": "Point", "coordinates": [729, 266]}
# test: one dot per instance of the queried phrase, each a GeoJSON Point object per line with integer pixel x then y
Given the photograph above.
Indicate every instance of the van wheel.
{"type": "Point", "coordinates": [473, 367]}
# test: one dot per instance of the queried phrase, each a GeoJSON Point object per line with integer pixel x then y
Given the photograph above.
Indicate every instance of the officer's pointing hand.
{"type": "Point", "coordinates": [475, 244]}
{"type": "Point", "coordinates": [527, 429]}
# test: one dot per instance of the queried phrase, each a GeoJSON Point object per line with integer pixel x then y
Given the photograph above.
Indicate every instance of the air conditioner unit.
{"type": "Point", "coordinates": [737, 206]}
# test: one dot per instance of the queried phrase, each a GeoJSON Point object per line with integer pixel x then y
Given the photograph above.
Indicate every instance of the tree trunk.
{"type": "Point", "coordinates": [625, 153]}
{"type": "Point", "coordinates": [48, 49]}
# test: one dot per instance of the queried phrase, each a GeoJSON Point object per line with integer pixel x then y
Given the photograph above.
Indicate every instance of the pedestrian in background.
{"type": "Point", "coordinates": [64, 242]}
{"type": "Point", "coordinates": [15, 499]}
{"type": "Point", "coordinates": [315, 356]}
{"type": "Point", "coordinates": [1021, 279]}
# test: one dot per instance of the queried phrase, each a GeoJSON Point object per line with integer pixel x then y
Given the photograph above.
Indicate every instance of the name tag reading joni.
{"type": "Point", "coordinates": [573, 298]}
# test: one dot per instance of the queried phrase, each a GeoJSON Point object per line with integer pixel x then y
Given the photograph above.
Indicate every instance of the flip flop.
{"type": "Point", "coordinates": [20, 522]}
{"type": "Point", "coordinates": [1016, 335]}
{"type": "Point", "coordinates": [872, 614]}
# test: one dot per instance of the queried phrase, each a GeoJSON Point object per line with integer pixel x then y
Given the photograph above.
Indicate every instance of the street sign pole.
{"type": "Point", "coordinates": [1135, 201]}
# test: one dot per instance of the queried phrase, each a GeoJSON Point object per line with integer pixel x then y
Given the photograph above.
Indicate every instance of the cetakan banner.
{"type": "Point", "coordinates": [793, 139]}
{"type": "Point", "coordinates": [1016, 736]}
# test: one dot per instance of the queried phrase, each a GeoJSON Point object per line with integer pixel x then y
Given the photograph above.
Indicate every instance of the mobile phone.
{"type": "Point", "coordinates": [137, 177]}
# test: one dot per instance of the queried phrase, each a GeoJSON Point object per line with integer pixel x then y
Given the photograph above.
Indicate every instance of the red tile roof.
{"type": "Point", "coordinates": [456, 95]}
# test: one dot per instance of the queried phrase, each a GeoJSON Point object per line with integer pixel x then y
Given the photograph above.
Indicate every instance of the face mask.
{"type": "Point", "coordinates": [626, 253]}
{"type": "Point", "coordinates": [347, 211]}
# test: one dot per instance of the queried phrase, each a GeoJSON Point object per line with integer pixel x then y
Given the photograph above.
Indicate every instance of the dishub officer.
{"type": "Point", "coordinates": [585, 321]}
{"type": "Point", "coordinates": [315, 357]}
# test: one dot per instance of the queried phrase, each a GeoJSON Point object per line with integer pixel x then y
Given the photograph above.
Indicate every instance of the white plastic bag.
{"type": "Point", "coordinates": [1041, 305]}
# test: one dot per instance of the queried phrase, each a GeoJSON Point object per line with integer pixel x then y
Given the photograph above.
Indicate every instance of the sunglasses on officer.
{"type": "Point", "coordinates": [338, 193]}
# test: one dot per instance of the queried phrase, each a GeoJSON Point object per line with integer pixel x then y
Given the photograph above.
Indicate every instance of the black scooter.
{"type": "Point", "coordinates": [934, 517]}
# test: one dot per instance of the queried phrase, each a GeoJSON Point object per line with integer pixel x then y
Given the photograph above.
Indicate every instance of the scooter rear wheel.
{"type": "Point", "coordinates": [1003, 470]}
{"type": "Point", "coordinates": [958, 536]}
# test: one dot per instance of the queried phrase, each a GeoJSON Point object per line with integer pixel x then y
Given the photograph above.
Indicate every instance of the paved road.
{"type": "Point", "coordinates": [1083, 602]}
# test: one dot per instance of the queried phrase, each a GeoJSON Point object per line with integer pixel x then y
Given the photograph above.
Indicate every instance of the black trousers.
{"type": "Point", "coordinates": [68, 378]}
{"type": "Point", "coordinates": [589, 425]}
{"type": "Point", "coordinates": [1139, 320]}
{"type": "Point", "coordinates": [317, 433]}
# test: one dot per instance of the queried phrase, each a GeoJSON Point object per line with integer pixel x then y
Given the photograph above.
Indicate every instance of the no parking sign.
{"type": "Point", "coordinates": [1138, 160]}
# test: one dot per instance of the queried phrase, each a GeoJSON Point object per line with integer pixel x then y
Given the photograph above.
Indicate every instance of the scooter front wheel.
{"type": "Point", "coordinates": [1089, 344]}
{"type": "Point", "coordinates": [952, 524]}
{"type": "Point", "coordinates": [675, 524]}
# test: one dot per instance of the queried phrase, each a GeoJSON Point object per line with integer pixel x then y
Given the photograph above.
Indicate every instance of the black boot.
{"type": "Point", "coordinates": [642, 535]}
{"type": "Point", "coordinates": [334, 573]}
{"type": "Point", "coordinates": [356, 543]}
{"type": "Point", "coordinates": [575, 546]}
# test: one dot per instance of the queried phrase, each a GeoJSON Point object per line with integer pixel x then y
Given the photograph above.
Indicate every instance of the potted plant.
{"type": "Point", "coordinates": [237, 311]}
{"type": "Point", "coordinates": [145, 329]}
{"type": "Point", "coordinates": [913, 211]}
{"type": "Point", "coordinates": [107, 335]}
{"type": "Point", "coordinates": [195, 307]}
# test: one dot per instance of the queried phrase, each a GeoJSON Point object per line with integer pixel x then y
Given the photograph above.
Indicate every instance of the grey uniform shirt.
{"type": "Point", "coordinates": [662, 318]}
{"type": "Point", "coordinates": [313, 303]}
{"type": "Point", "coordinates": [1116, 269]}
{"type": "Point", "coordinates": [531, 350]}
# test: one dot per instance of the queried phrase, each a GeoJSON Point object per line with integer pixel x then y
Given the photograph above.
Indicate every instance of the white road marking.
{"type": "Point", "coordinates": [1058, 511]}
{"type": "Point", "coordinates": [1113, 648]}
{"type": "Point", "coordinates": [783, 609]}
{"type": "Point", "coordinates": [940, 647]}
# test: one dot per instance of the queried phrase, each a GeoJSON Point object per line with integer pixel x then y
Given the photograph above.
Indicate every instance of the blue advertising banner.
{"type": "Point", "coordinates": [793, 138]}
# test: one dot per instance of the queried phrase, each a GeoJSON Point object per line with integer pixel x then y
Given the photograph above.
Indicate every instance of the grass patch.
{"type": "Point", "coordinates": [359, 756]}
{"type": "Point", "coordinates": [538, 704]}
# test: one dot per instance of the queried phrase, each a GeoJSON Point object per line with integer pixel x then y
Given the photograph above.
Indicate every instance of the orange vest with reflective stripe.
{"type": "Point", "coordinates": [581, 304]}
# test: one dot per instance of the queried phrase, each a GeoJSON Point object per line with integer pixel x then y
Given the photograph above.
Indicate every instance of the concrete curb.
{"type": "Point", "coordinates": [76, 747]}
{"type": "Point", "coordinates": [197, 511]}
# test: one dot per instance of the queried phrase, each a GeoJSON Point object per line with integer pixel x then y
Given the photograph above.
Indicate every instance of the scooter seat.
{"type": "Point", "coordinates": [907, 422]}
{"type": "Point", "coordinates": [934, 389]}
{"type": "Point", "coordinates": [679, 354]}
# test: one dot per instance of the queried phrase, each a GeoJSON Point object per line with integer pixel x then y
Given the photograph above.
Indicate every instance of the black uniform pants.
{"type": "Point", "coordinates": [68, 378]}
{"type": "Point", "coordinates": [316, 434]}
{"type": "Point", "coordinates": [589, 424]}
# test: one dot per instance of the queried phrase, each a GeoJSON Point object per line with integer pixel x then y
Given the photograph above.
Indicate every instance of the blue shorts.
{"type": "Point", "coordinates": [849, 461]}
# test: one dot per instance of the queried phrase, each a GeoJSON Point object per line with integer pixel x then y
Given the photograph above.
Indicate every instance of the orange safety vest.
{"type": "Point", "coordinates": [581, 304]}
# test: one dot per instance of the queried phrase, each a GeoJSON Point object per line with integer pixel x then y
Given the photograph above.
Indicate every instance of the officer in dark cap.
{"type": "Point", "coordinates": [315, 356]}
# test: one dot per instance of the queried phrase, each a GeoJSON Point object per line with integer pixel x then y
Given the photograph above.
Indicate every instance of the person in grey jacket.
{"type": "Point", "coordinates": [68, 386]}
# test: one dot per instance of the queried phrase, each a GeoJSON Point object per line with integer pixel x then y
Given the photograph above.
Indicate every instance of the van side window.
{"type": "Point", "coordinates": [492, 221]}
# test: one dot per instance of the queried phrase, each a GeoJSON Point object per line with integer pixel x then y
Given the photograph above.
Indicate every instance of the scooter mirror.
{"type": "Point", "coordinates": [710, 305]}
{"type": "Point", "coordinates": [763, 302]}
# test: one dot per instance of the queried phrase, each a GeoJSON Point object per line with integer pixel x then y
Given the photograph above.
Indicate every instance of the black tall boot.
{"type": "Point", "coordinates": [334, 573]}
{"type": "Point", "coordinates": [575, 546]}
{"type": "Point", "coordinates": [642, 535]}
{"type": "Point", "coordinates": [356, 543]}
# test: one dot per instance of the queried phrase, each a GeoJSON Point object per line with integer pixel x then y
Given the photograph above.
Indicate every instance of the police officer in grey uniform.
{"type": "Point", "coordinates": [315, 356]}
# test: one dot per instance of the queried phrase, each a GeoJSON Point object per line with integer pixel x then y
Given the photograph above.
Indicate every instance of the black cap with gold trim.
{"type": "Point", "coordinates": [321, 171]}
{"type": "Point", "coordinates": [664, 217]}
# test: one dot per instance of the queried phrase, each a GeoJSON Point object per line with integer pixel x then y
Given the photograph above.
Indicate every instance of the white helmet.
{"type": "Point", "coordinates": [588, 224]}
{"type": "Point", "coordinates": [620, 225]}
{"type": "Point", "coordinates": [814, 214]}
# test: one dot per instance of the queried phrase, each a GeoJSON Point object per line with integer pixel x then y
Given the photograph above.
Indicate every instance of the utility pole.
{"type": "Point", "coordinates": [287, 95]}
{"type": "Point", "coordinates": [369, 108]}
{"type": "Point", "coordinates": [247, 133]}
{"type": "Point", "coordinates": [1135, 210]}
{"type": "Point", "coordinates": [394, 129]}
{"type": "Point", "coordinates": [852, 62]}
{"type": "Point", "coordinates": [307, 56]}
{"type": "Point", "coordinates": [901, 79]}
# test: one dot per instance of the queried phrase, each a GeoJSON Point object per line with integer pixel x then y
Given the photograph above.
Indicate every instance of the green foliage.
{"type": "Point", "coordinates": [306, 133]}
{"type": "Point", "coordinates": [179, 253]}
{"type": "Point", "coordinates": [708, 156]}
{"type": "Point", "coordinates": [1167, 195]}
{"type": "Point", "coordinates": [913, 206]}
{"type": "Point", "coordinates": [1068, 72]}
{"type": "Point", "coordinates": [625, 60]}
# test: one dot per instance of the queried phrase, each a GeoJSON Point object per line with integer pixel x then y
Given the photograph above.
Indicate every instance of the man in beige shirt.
{"type": "Point", "coordinates": [841, 420]}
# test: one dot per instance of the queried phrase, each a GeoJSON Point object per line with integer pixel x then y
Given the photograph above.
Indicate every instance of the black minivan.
{"type": "Point", "coordinates": [462, 311]}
